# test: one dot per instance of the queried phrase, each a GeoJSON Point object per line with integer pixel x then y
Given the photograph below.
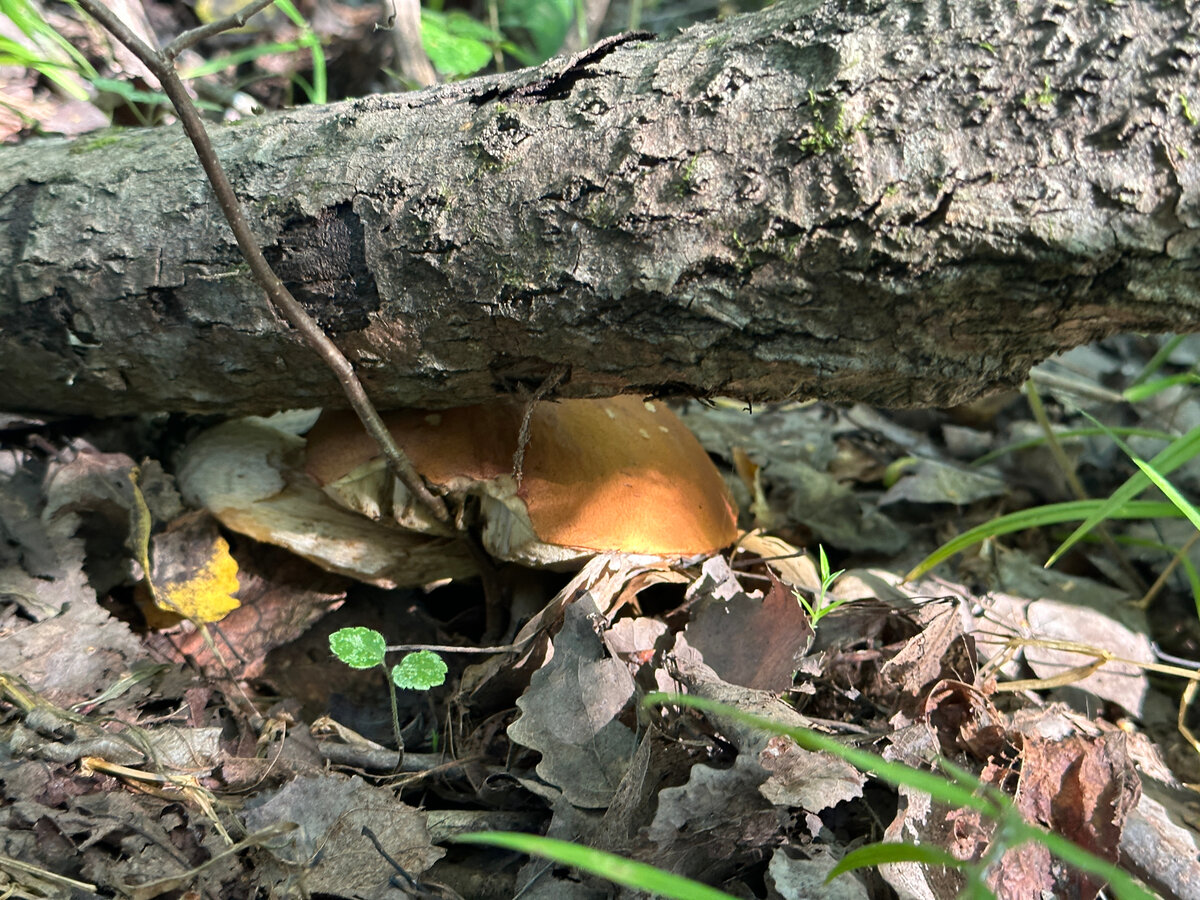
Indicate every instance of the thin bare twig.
{"type": "Point", "coordinates": [162, 68]}
{"type": "Point", "coordinates": [196, 35]}
{"type": "Point", "coordinates": [549, 383]}
{"type": "Point", "coordinates": [1161, 581]}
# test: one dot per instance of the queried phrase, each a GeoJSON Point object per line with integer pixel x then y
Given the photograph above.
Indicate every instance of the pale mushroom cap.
{"type": "Point", "coordinates": [615, 474]}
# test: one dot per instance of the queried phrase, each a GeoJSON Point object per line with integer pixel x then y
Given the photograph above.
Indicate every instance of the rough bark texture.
{"type": "Point", "coordinates": [897, 202]}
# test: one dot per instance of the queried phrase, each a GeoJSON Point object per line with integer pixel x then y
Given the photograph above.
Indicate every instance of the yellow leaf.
{"type": "Point", "coordinates": [203, 594]}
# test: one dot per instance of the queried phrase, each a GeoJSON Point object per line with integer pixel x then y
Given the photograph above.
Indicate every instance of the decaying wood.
{"type": "Point", "coordinates": [898, 203]}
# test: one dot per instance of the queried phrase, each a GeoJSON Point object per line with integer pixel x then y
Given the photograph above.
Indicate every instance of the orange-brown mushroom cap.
{"type": "Point", "coordinates": [616, 474]}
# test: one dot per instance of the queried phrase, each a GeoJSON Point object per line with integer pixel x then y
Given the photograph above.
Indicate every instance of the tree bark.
{"type": "Point", "coordinates": [895, 202]}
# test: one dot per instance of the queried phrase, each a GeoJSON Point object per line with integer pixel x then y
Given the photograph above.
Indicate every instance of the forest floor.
{"type": "Point", "coordinates": [137, 763]}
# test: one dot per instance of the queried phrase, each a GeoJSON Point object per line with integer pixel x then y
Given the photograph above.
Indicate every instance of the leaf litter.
{"type": "Point", "coordinates": [141, 760]}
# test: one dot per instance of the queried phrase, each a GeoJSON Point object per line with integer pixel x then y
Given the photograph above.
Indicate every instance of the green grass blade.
{"type": "Point", "coordinates": [1052, 514]}
{"type": "Point", "coordinates": [1170, 458]}
{"type": "Point", "coordinates": [318, 94]}
{"type": "Point", "coordinates": [1119, 882]}
{"type": "Point", "coordinates": [1193, 581]}
{"type": "Point", "coordinates": [1170, 491]}
{"type": "Point", "coordinates": [1068, 433]}
{"type": "Point", "coordinates": [607, 865]}
{"type": "Point", "coordinates": [237, 57]}
{"type": "Point", "coordinates": [1138, 393]}
{"type": "Point", "coordinates": [1159, 359]}
{"type": "Point", "coordinates": [884, 854]}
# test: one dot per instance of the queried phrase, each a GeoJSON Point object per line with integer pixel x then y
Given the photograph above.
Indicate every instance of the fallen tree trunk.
{"type": "Point", "coordinates": [902, 204]}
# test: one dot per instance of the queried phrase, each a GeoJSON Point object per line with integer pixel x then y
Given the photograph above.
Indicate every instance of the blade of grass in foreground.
{"type": "Point", "coordinates": [607, 865]}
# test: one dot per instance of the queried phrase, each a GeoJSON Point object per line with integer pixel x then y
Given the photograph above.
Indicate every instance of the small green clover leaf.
{"type": "Point", "coordinates": [359, 648]}
{"type": "Point", "coordinates": [419, 671]}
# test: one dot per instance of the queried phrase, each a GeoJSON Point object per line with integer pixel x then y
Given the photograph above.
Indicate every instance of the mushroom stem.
{"type": "Point", "coordinates": [496, 593]}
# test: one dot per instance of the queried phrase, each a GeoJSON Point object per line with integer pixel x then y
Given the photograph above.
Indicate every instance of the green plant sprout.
{"type": "Point", "coordinates": [1045, 97]}
{"type": "Point", "coordinates": [1067, 434]}
{"type": "Point", "coordinates": [58, 61]}
{"type": "Point", "coordinates": [818, 608]}
{"type": "Point", "coordinates": [1186, 108]}
{"type": "Point", "coordinates": [61, 63]}
{"type": "Point", "coordinates": [54, 58]}
{"type": "Point", "coordinates": [365, 648]}
{"type": "Point", "coordinates": [317, 92]}
{"type": "Point", "coordinates": [419, 671]}
{"type": "Point", "coordinates": [824, 138]}
{"type": "Point", "coordinates": [687, 173]}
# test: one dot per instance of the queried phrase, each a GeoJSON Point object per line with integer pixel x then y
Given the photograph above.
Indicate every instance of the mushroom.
{"type": "Point", "coordinates": [598, 475]}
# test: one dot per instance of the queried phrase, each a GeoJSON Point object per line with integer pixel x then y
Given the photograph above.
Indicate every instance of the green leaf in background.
{"type": "Point", "coordinates": [419, 671]}
{"type": "Point", "coordinates": [1040, 517]}
{"type": "Point", "coordinates": [456, 44]}
{"type": "Point", "coordinates": [317, 92]}
{"type": "Point", "coordinates": [1178, 452]}
{"type": "Point", "coordinates": [55, 58]}
{"type": "Point", "coordinates": [359, 648]}
{"type": "Point", "coordinates": [1139, 392]}
{"type": "Point", "coordinates": [544, 21]}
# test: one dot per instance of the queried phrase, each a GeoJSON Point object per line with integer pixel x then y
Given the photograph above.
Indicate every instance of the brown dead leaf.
{"type": "Point", "coordinates": [569, 713]}
{"type": "Point", "coordinates": [938, 651]}
{"type": "Point", "coordinates": [1118, 682]}
{"type": "Point", "coordinates": [691, 672]}
{"type": "Point", "coordinates": [805, 877]}
{"type": "Point", "coordinates": [792, 565]}
{"type": "Point", "coordinates": [250, 475]}
{"type": "Point", "coordinates": [281, 596]}
{"type": "Point", "coordinates": [659, 762]}
{"type": "Point", "coordinates": [1081, 788]}
{"type": "Point", "coordinates": [1160, 847]}
{"type": "Point", "coordinates": [920, 820]}
{"type": "Point", "coordinates": [72, 656]}
{"type": "Point", "coordinates": [966, 720]}
{"type": "Point", "coordinates": [749, 641]}
{"type": "Point", "coordinates": [330, 847]}
{"type": "Point", "coordinates": [812, 781]}
{"type": "Point", "coordinates": [936, 481]}
{"type": "Point", "coordinates": [717, 821]}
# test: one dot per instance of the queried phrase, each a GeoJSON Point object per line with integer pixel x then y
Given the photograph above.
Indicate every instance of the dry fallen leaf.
{"type": "Point", "coordinates": [569, 714]}
{"type": "Point", "coordinates": [193, 574]}
{"type": "Point", "coordinates": [747, 640]}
